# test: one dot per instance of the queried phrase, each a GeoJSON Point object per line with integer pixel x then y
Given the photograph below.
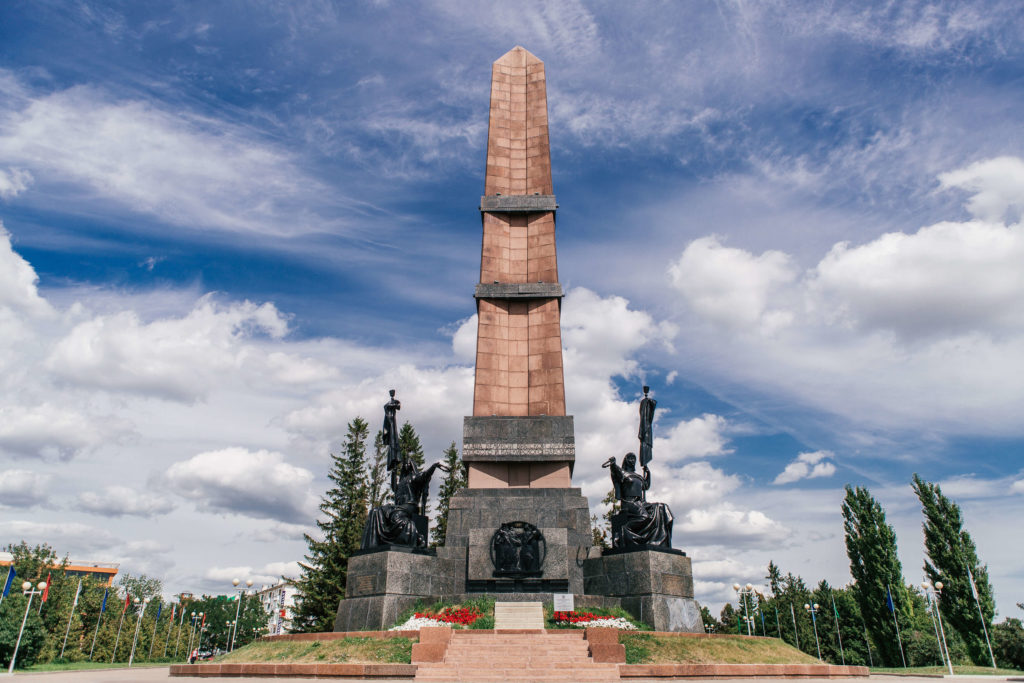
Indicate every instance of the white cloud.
{"type": "Point", "coordinates": [18, 281]}
{"type": "Point", "coordinates": [1017, 486]}
{"type": "Point", "coordinates": [253, 483]}
{"type": "Point", "coordinates": [698, 437]}
{"type": "Point", "coordinates": [267, 574]}
{"type": "Point", "coordinates": [48, 431]}
{"type": "Point", "coordinates": [997, 186]}
{"type": "Point", "coordinates": [23, 488]}
{"type": "Point", "coordinates": [182, 168]}
{"type": "Point", "coordinates": [693, 486]}
{"type": "Point", "coordinates": [174, 358]}
{"type": "Point", "coordinates": [120, 501]}
{"type": "Point", "coordinates": [13, 182]}
{"type": "Point", "coordinates": [726, 525]}
{"type": "Point", "coordinates": [731, 286]}
{"type": "Point", "coordinates": [70, 537]}
{"type": "Point", "coordinates": [807, 466]}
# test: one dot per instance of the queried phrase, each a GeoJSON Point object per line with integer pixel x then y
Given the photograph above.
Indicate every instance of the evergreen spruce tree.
{"type": "Point", "coordinates": [321, 584]}
{"type": "Point", "coordinates": [454, 480]}
{"type": "Point", "coordinates": [876, 569]}
{"type": "Point", "coordinates": [379, 490]}
{"type": "Point", "coordinates": [409, 442]}
{"type": "Point", "coordinates": [951, 553]}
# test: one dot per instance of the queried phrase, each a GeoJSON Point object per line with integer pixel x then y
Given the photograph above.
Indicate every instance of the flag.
{"type": "Point", "coordinates": [970, 578]}
{"type": "Point", "coordinates": [103, 607]}
{"type": "Point", "coordinates": [10, 580]}
{"type": "Point", "coordinates": [159, 608]}
{"type": "Point", "coordinates": [127, 599]}
{"type": "Point", "coordinates": [46, 591]}
{"type": "Point", "coordinates": [174, 610]}
{"type": "Point", "coordinates": [888, 600]}
{"type": "Point", "coordinates": [78, 591]}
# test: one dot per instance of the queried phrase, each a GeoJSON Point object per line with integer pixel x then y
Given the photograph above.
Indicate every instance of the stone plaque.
{"type": "Point", "coordinates": [673, 584]}
{"type": "Point", "coordinates": [564, 602]}
{"type": "Point", "coordinates": [364, 585]}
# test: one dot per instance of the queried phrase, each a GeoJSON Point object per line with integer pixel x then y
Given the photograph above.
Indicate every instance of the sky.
{"type": "Point", "coordinates": [228, 228]}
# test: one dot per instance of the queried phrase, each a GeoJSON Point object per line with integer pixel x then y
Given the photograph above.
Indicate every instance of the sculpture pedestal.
{"type": "Point", "coordinates": [383, 583]}
{"type": "Point", "coordinates": [655, 585]}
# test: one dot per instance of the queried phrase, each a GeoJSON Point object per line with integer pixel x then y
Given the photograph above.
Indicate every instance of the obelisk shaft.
{"type": "Point", "coordinates": [519, 434]}
{"type": "Point", "coordinates": [519, 346]}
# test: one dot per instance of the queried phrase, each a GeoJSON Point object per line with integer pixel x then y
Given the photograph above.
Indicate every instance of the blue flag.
{"type": "Point", "coordinates": [103, 607]}
{"type": "Point", "coordinates": [10, 580]}
{"type": "Point", "coordinates": [159, 608]}
{"type": "Point", "coordinates": [888, 600]}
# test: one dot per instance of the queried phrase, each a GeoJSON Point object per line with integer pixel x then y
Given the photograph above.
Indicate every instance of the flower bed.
{"type": "Point", "coordinates": [456, 617]}
{"type": "Point", "coordinates": [585, 619]}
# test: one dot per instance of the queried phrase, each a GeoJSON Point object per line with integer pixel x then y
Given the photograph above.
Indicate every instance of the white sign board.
{"type": "Point", "coordinates": [564, 602]}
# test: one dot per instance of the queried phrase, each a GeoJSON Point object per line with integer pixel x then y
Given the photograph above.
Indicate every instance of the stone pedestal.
{"type": "Point", "coordinates": [654, 585]}
{"type": "Point", "coordinates": [382, 584]}
{"type": "Point", "coordinates": [561, 514]}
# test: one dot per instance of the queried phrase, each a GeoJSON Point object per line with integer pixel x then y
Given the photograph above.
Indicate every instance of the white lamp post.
{"type": "Point", "coordinates": [933, 594]}
{"type": "Point", "coordinates": [238, 608]}
{"type": "Point", "coordinates": [26, 588]}
{"type": "Point", "coordinates": [813, 609]}
{"type": "Point", "coordinates": [745, 591]}
{"type": "Point", "coordinates": [138, 625]}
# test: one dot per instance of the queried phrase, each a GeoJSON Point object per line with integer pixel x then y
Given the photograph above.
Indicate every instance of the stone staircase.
{"type": "Point", "coordinates": [522, 657]}
{"type": "Point", "coordinates": [518, 615]}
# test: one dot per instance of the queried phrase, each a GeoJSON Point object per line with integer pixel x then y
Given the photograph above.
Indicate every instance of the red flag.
{"type": "Point", "coordinates": [46, 591]}
{"type": "Point", "coordinates": [127, 599]}
{"type": "Point", "coordinates": [204, 622]}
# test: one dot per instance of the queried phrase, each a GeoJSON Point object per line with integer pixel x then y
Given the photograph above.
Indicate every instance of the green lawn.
{"type": "Point", "coordinates": [647, 648]}
{"type": "Point", "coordinates": [941, 670]}
{"type": "Point", "coordinates": [349, 650]}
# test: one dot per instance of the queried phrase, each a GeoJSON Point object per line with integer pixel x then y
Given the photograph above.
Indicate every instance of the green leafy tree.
{"type": "Point", "coordinates": [378, 488]}
{"type": "Point", "coordinates": [12, 611]}
{"type": "Point", "coordinates": [729, 619]}
{"type": "Point", "coordinates": [953, 559]}
{"type": "Point", "coordinates": [876, 571]}
{"type": "Point", "coordinates": [323, 577]}
{"type": "Point", "coordinates": [1008, 644]}
{"type": "Point", "coordinates": [454, 480]}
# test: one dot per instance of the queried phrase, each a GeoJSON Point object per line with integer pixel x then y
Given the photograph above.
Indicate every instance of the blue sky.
{"type": "Point", "coordinates": [229, 228]}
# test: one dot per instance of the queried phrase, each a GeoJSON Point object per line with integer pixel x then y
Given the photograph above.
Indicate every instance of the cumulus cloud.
{"type": "Point", "coordinates": [172, 358]}
{"type": "Point", "coordinates": [1017, 486]}
{"type": "Point", "coordinates": [731, 286]}
{"type": "Point", "coordinates": [905, 331]}
{"type": "Point", "coordinates": [72, 537]}
{"type": "Point", "coordinates": [725, 524]}
{"type": "Point", "coordinates": [269, 573]}
{"type": "Point", "coordinates": [252, 483]}
{"type": "Point", "coordinates": [18, 281]}
{"type": "Point", "coordinates": [47, 431]}
{"type": "Point", "coordinates": [698, 437]}
{"type": "Point", "coordinates": [23, 488]}
{"type": "Point", "coordinates": [120, 501]}
{"type": "Point", "coordinates": [807, 466]}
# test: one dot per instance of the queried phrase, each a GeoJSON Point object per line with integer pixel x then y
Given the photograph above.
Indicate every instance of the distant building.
{"type": "Point", "coordinates": [104, 572]}
{"type": "Point", "coordinates": [278, 602]}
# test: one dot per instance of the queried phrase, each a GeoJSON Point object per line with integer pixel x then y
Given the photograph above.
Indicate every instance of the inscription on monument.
{"type": "Point", "coordinates": [499, 448]}
{"type": "Point", "coordinates": [673, 584]}
{"type": "Point", "coordinates": [364, 585]}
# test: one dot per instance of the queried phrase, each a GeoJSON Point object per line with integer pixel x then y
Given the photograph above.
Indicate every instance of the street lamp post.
{"type": "Point", "coordinates": [238, 608]}
{"type": "Point", "coordinates": [26, 588]}
{"type": "Point", "coordinates": [934, 593]}
{"type": "Point", "coordinates": [138, 625]}
{"type": "Point", "coordinates": [813, 610]}
{"type": "Point", "coordinates": [745, 591]}
{"type": "Point", "coordinates": [709, 628]}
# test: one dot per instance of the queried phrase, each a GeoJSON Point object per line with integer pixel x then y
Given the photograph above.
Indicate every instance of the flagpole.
{"type": "Point", "coordinates": [138, 625]}
{"type": "Point", "coordinates": [7, 583]}
{"type": "Point", "coordinates": [839, 633]}
{"type": "Point", "coordinates": [796, 634]}
{"type": "Point", "coordinates": [103, 608]}
{"type": "Point", "coordinates": [70, 617]}
{"type": "Point", "coordinates": [119, 625]}
{"type": "Point", "coordinates": [181, 622]}
{"type": "Point", "coordinates": [170, 623]}
{"type": "Point", "coordinates": [777, 626]}
{"type": "Point", "coordinates": [899, 639]}
{"type": "Point", "coordinates": [984, 629]}
{"type": "Point", "coordinates": [156, 623]}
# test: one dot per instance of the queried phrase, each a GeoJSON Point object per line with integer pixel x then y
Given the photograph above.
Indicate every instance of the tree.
{"type": "Point", "coordinates": [378, 490]}
{"type": "Point", "coordinates": [322, 581]}
{"type": "Point", "coordinates": [1008, 643]}
{"type": "Point", "coordinates": [952, 558]}
{"type": "Point", "coordinates": [12, 611]}
{"type": "Point", "coordinates": [141, 586]}
{"type": "Point", "coordinates": [876, 571]}
{"type": "Point", "coordinates": [410, 444]}
{"type": "Point", "coordinates": [454, 480]}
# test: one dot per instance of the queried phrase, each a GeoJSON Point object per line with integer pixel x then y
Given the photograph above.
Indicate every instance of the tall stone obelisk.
{"type": "Point", "coordinates": [518, 445]}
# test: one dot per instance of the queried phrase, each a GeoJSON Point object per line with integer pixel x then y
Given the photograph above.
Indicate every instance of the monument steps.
{"type": "Point", "coordinates": [543, 656]}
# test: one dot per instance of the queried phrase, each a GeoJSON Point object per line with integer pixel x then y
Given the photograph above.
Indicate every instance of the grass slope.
{"type": "Point", "coordinates": [941, 671]}
{"type": "Point", "coordinates": [647, 648]}
{"type": "Point", "coordinates": [348, 650]}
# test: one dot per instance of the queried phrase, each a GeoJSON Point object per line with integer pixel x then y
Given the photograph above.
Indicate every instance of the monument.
{"type": "Point", "coordinates": [519, 531]}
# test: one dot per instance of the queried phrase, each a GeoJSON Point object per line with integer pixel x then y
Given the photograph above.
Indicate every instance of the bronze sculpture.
{"type": "Point", "coordinates": [638, 522]}
{"type": "Point", "coordinates": [401, 523]}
